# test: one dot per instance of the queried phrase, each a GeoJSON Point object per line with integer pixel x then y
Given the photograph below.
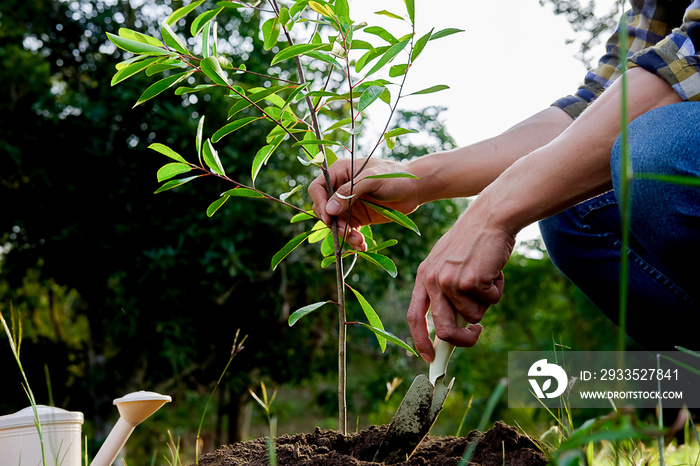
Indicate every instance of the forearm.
{"type": "Point", "coordinates": [466, 171]}
{"type": "Point", "coordinates": [576, 165]}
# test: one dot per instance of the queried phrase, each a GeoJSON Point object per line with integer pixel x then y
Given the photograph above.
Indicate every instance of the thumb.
{"type": "Point", "coordinates": [342, 198]}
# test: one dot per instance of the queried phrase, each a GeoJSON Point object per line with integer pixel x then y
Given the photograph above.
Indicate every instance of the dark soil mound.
{"type": "Point", "coordinates": [328, 448]}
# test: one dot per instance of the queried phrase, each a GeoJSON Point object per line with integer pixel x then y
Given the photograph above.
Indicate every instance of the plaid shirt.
{"type": "Point", "coordinates": [661, 34]}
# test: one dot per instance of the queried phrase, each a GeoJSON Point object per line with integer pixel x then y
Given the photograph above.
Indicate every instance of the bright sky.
{"type": "Point", "coordinates": [511, 62]}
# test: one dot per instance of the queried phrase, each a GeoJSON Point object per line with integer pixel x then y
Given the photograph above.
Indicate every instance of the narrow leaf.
{"type": "Point", "coordinates": [389, 14]}
{"type": "Point", "coordinates": [299, 313]}
{"type": "Point", "coordinates": [445, 32]}
{"type": "Point", "coordinates": [172, 169]}
{"type": "Point", "coordinates": [296, 50]}
{"type": "Point", "coordinates": [167, 151]}
{"type": "Point", "coordinates": [389, 336]}
{"type": "Point", "coordinates": [411, 9]}
{"type": "Point", "coordinates": [383, 245]}
{"type": "Point", "coordinates": [160, 86]}
{"type": "Point", "coordinates": [212, 68]}
{"type": "Point", "coordinates": [271, 32]}
{"type": "Point", "coordinates": [369, 96]}
{"type": "Point", "coordinates": [400, 131]}
{"type": "Point", "coordinates": [288, 248]}
{"type": "Point", "coordinates": [675, 179]}
{"type": "Point", "coordinates": [263, 156]}
{"type": "Point", "coordinates": [136, 47]}
{"type": "Point", "coordinates": [388, 56]}
{"type": "Point", "coordinates": [321, 9]}
{"type": "Point", "coordinates": [393, 215]}
{"type": "Point", "coordinates": [244, 192]}
{"type": "Point", "coordinates": [381, 32]}
{"type": "Point", "coordinates": [172, 40]}
{"type": "Point", "coordinates": [381, 261]}
{"type": "Point", "coordinates": [431, 89]}
{"type": "Point", "coordinates": [211, 158]}
{"type": "Point", "coordinates": [175, 183]}
{"type": "Point", "coordinates": [216, 205]}
{"type": "Point", "coordinates": [420, 45]}
{"type": "Point", "coordinates": [231, 127]}
{"type": "Point", "coordinates": [202, 19]}
{"type": "Point", "coordinates": [372, 317]}
{"type": "Point", "coordinates": [138, 37]}
{"type": "Point", "coordinates": [316, 142]}
{"type": "Point", "coordinates": [180, 13]}
{"type": "Point", "coordinates": [198, 139]}
{"type": "Point", "coordinates": [300, 217]}
{"type": "Point", "coordinates": [132, 69]}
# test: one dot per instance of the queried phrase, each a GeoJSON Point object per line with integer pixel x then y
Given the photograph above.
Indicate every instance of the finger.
{"type": "Point", "coordinates": [319, 195]}
{"type": "Point", "coordinates": [446, 327]}
{"type": "Point", "coordinates": [418, 323]}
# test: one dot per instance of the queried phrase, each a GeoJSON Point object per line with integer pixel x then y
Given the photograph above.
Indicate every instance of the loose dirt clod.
{"type": "Point", "coordinates": [329, 448]}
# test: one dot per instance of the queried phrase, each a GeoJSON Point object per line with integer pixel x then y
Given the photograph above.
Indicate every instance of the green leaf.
{"type": "Point", "coordinates": [172, 40]}
{"type": "Point", "coordinates": [288, 248]}
{"type": "Point", "coordinates": [381, 261]}
{"type": "Point", "coordinates": [389, 14]}
{"type": "Point", "coordinates": [327, 247]}
{"type": "Point", "coordinates": [160, 86]}
{"type": "Point", "coordinates": [263, 156]}
{"type": "Point", "coordinates": [386, 244]}
{"type": "Point", "coordinates": [271, 32]}
{"type": "Point", "coordinates": [316, 142]}
{"type": "Point", "coordinates": [391, 175]}
{"type": "Point", "coordinates": [180, 13]}
{"type": "Point", "coordinates": [206, 33]}
{"type": "Point", "coordinates": [445, 32]}
{"type": "Point", "coordinates": [254, 97]}
{"type": "Point", "coordinates": [369, 96]}
{"type": "Point", "coordinates": [231, 127]}
{"type": "Point", "coordinates": [214, 206]}
{"type": "Point", "coordinates": [202, 19]}
{"type": "Point", "coordinates": [198, 139]}
{"type": "Point", "coordinates": [244, 192]}
{"type": "Point", "coordinates": [212, 68]}
{"type": "Point", "coordinates": [411, 9]}
{"type": "Point", "coordinates": [167, 151]}
{"type": "Point", "coordinates": [138, 37]}
{"type": "Point", "coordinates": [338, 124]}
{"type": "Point", "coordinates": [393, 215]}
{"type": "Point", "coordinates": [300, 217]}
{"type": "Point", "coordinates": [296, 50]}
{"type": "Point", "coordinates": [388, 336]}
{"type": "Point", "coordinates": [164, 66]}
{"type": "Point", "coordinates": [341, 8]}
{"type": "Point", "coordinates": [320, 232]}
{"type": "Point", "coordinates": [324, 58]}
{"type": "Point", "coordinates": [420, 45]}
{"type": "Point", "coordinates": [299, 313]}
{"type": "Point", "coordinates": [400, 131]}
{"type": "Point", "coordinates": [172, 169]}
{"type": "Point", "coordinates": [211, 158]}
{"type": "Point", "coordinates": [132, 69]}
{"type": "Point", "coordinates": [381, 32]}
{"type": "Point", "coordinates": [175, 183]}
{"type": "Point", "coordinates": [136, 47]}
{"type": "Point", "coordinates": [372, 317]}
{"type": "Point", "coordinates": [431, 89]}
{"type": "Point", "coordinates": [388, 56]}
{"type": "Point", "coordinates": [398, 70]}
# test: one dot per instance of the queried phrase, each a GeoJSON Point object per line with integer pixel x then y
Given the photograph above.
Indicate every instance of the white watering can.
{"type": "Point", "coordinates": [20, 444]}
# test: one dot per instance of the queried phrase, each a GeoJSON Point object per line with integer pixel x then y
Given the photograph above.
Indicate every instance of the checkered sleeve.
{"type": "Point", "coordinates": [675, 58]}
{"type": "Point", "coordinates": [649, 24]}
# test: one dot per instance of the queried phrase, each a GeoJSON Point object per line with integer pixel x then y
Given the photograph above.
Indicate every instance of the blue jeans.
{"type": "Point", "coordinates": [584, 241]}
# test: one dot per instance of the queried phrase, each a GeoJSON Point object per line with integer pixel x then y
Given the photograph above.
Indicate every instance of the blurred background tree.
{"type": "Point", "coordinates": [120, 290]}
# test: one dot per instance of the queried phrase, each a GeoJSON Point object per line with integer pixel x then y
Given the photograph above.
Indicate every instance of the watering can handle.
{"type": "Point", "coordinates": [443, 352]}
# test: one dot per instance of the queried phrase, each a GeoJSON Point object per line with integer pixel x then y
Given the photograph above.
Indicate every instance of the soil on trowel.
{"type": "Point", "coordinates": [329, 448]}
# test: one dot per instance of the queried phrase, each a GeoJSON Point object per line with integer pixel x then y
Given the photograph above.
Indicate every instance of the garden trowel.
{"type": "Point", "coordinates": [419, 408]}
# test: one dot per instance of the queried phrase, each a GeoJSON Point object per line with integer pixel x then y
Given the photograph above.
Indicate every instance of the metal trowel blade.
{"type": "Point", "coordinates": [413, 420]}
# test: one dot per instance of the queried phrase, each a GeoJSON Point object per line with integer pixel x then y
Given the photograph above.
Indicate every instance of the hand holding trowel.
{"type": "Point", "coordinates": [419, 408]}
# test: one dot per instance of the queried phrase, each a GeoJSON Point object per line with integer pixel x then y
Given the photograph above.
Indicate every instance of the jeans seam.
{"type": "Point", "coordinates": [653, 272]}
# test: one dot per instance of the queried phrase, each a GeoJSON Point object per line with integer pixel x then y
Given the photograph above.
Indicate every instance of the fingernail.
{"type": "Point", "coordinates": [333, 207]}
{"type": "Point", "coordinates": [427, 357]}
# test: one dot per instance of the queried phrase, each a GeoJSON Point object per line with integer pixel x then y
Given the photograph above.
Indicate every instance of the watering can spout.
{"type": "Point", "coordinates": [134, 408]}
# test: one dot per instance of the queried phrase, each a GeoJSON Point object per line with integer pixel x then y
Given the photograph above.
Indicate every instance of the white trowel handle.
{"type": "Point", "coordinates": [443, 351]}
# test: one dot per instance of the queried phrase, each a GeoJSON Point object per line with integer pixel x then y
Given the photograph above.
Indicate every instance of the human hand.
{"type": "Point", "coordinates": [462, 274]}
{"type": "Point", "coordinates": [396, 193]}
